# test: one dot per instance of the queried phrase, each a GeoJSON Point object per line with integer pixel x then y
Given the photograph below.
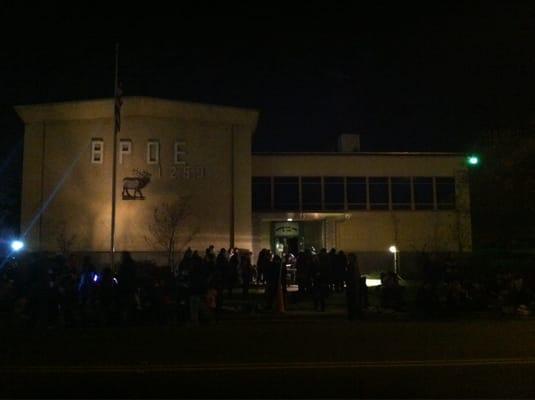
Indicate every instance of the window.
{"type": "Point", "coordinates": [445, 188]}
{"type": "Point", "coordinates": [180, 153]}
{"type": "Point", "coordinates": [286, 193]}
{"type": "Point", "coordinates": [97, 151]}
{"type": "Point", "coordinates": [261, 193]}
{"type": "Point", "coordinates": [423, 193]}
{"type": "Point", "coordinates": [311, 193]}
{"type": "Point", "coordinates": [356, 193]}
{"type": "Point", "coordinates": [153, 152]}
{"type": "Point", "coordinates": [401, 193]}
{"type": "Point", "coordinates": [125, 148]}
{"type": "Point", "coordinates": [378, 193]}
{"type": "Point", "coordinates": [334, 192]}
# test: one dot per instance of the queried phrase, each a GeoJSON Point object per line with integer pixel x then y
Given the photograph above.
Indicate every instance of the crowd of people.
{"type": "Point", "coordinates": [447, 288]}
{"type": "Point", "coordinates": [41, 291]}
{"type": "Point", "coordinates": [316, 276]}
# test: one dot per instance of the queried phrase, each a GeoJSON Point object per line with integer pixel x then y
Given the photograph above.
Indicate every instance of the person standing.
{"type": "Point", "coordinates": [246, 273]}
{"type": "Point", "coordinates": [198, 288]}
{"type": "Point", "coordinates": [233, 268]}
{"type": "Point", "coordinates": [320, 280]}
{"type": "Point", "coordinates": [353, 290]}
{"type": "Point", "coordinates": [127, 286]}
{"type": "Point", "coordinates": [339, 270]}
{"type": "Point", "coordinates": [220, 278]}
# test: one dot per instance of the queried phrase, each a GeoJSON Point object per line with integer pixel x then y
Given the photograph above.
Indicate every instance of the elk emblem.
{"type": "Point", "coordinates": [136, 184]}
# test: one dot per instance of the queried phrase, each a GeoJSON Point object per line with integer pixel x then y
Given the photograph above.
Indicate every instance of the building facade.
{"type": "Point", "coordinates": [200, 155]}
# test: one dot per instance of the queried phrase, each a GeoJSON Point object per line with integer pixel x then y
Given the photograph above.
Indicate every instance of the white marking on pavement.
{"type": "Point", "coordinates": [148, 368]}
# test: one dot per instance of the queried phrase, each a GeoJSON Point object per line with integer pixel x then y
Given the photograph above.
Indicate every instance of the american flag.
{"type": "Point", "coordinates": [118, 104]}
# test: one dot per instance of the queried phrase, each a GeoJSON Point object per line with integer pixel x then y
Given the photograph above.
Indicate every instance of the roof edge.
{"type": "Point", "coordinates": [362, 153]}
{"type": "Point", "coordinates": [135, 106]}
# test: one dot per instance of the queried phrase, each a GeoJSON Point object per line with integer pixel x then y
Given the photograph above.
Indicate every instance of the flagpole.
{"type": "Point", "coordinates": [114, 176]}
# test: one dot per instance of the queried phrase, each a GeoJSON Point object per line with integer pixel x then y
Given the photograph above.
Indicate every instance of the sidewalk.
{"type": "Point", "coordinates": [240, 309]}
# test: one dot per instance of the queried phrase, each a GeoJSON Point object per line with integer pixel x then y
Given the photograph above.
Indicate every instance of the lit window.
{"type": "Point", "coordinates": [153, 152]}
{"type": "Point", "coordinates": [97, 151]}
{"type": "Point", "coordinates": [445, 188]}
{"type": "Point", "coordinates": [180, 153]}
{"type": "Point", "coordinates": [125, 148]}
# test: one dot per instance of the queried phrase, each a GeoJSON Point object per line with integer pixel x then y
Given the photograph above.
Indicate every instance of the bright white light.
{"type": "Point", "coordinates": [372, 282]}
{"type": "Point", "coordinates": [393, 249]}
{"type": "Point", "coordinates": [17, 245]}
{"type": "Point", "coordinates": [289, 219]}
{"type": "Point", "coordinates": [473, 160]}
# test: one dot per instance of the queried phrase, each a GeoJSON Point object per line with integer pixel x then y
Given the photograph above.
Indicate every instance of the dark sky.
{"type": "Point", "coordinates": [404, 78]}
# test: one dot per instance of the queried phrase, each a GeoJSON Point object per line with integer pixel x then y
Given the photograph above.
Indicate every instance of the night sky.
{"type": "Point", "coordinates": [406, 79]}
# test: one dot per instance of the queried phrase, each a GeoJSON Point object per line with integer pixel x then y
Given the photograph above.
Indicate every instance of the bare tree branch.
{"type": "Point", "coordinates": [171, 228]}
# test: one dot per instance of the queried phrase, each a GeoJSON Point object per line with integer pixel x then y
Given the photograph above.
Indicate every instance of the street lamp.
{"type": "Point", "coordinates": [393, 249]}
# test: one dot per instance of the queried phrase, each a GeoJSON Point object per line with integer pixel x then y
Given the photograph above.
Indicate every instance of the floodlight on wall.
{"type": "Point", "coordinates": [17, 245]}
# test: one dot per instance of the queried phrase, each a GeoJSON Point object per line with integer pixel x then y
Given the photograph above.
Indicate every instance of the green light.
{"type": "Point", "coordinates": [473, 160]}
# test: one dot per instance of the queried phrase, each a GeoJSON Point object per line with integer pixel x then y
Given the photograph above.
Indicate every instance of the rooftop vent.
{"type": "Point", "coordinates": [348, 143]}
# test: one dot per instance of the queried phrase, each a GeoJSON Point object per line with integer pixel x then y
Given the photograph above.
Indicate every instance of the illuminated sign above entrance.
{"type": "Point", "coordinates": [286, 229]}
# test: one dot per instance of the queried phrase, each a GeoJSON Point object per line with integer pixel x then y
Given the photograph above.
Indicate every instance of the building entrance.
{"type": "Point", "coordinates": [296, 236]}
{"type": "Point", "coordinates": [287, 244]}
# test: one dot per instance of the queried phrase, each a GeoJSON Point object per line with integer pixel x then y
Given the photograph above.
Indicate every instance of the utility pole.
{"type": "Point", "coordinates": [116, 128]}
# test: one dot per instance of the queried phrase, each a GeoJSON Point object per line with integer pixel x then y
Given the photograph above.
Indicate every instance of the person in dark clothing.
{"type": "Point", "coordinates": [233, 268]}
{"type": "Point", "coordinates": [67, 293]}
{"type": "Point", "coordinates": [198, 288]}
{"type": "Point", "coordinates": [38, 292]}
{"type": "Point", "coordinates": [339, 271]}
{"type": "Point", "coordinates": [353, 290]}
{"type": "Point", "coordinates": [127, 286]}
{"type": "Point", "coordinates": [363, 293]}
{"type": "Point", "coordinates": [246, 271]}
{"type": "Point", "coordinates": [53, 295]}
{"type": "Point", "coordinates": [275, 281]}
{"type": "Point", "coordinates": [261, 265]}
{"type": "Point", "coordinates": [182, 293]}
{"type": "Point", "coordinates": [331, 266]}
{"type": "Point", "coordinates": [301, 274]}
{"type": "Point", "coordinates": [87, 290]}
{"type": "Point", "coordinates": [219, 279]}
{"type": "Point", "coordinates": [270, 278]}
{"type": "Point", "coordinates": [185, 263]}
{"type": "Point", "coordinates": [320, 280]}
{"type": "Point", "coordinates": [107, 298]}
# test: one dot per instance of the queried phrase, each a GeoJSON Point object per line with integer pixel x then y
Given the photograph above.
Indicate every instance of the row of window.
{"type": "Point", "coordinates": [125, 148]}
{"type": "Point", "coordinates": [284, 193]}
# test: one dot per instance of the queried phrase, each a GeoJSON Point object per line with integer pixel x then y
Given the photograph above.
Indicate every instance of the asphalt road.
{"type": "Point", "coordinates": [258, 359]}
{"type": "Point", "coordinates": [503, 379]}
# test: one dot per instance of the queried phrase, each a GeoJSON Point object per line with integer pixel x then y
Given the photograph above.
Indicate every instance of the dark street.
{"type": "Point", "coordinates": [307, 358]}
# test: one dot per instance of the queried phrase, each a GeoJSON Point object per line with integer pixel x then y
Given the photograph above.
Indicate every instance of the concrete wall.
{"type": "Point", "coordinates": [370, 233]}
{"type": "Point", "coordinates": [77, 193]}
